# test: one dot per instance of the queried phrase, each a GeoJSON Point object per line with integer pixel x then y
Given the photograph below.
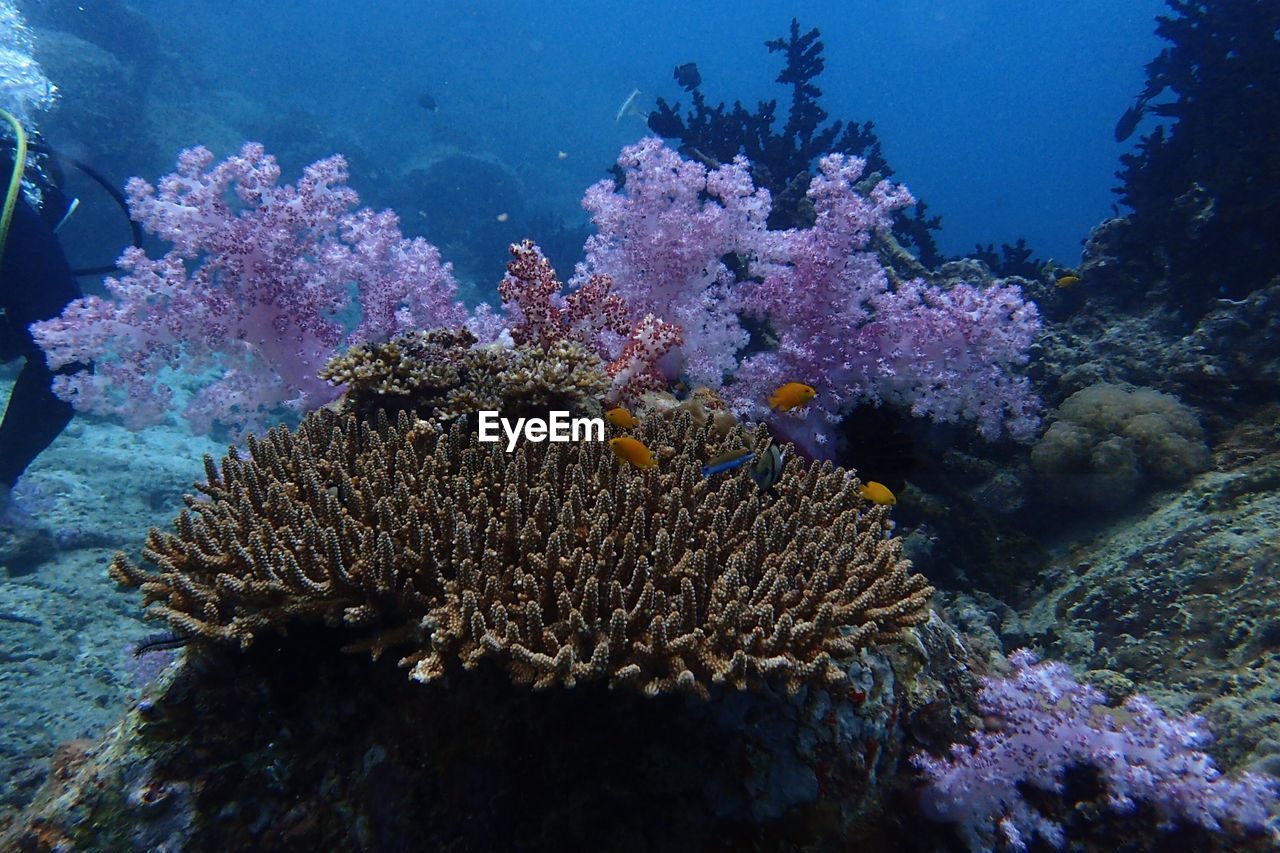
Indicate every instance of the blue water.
{"type": "Point", "coordinates": [998, 113]}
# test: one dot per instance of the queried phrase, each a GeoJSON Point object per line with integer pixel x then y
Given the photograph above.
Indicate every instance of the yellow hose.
{"type": "Point", "coordinates": [15, 180]}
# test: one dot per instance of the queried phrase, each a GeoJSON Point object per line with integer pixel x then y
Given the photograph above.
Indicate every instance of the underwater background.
{"type": "Point", "coordinates": [990, 461]}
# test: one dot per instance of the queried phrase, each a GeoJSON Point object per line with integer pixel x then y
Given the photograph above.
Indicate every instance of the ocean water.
{"type": "Point", "coordinates": [1067, 445]}
{"type": "Point", "coordinates": [997, 113]}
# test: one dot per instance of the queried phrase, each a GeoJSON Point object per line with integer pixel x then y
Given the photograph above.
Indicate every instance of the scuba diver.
{"type": "Point", "coordinates": [36, 283]}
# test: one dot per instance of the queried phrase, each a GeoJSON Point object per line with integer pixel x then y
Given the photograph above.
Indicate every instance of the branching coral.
{"type": "Point", "coordinates": [554, 560]}
{"type": "Point", "coordinates": [1203, 184]}
{"type": "Point", "coordinates": [439, 375]}
{"type": "Point", "coordinates": [782, 158]}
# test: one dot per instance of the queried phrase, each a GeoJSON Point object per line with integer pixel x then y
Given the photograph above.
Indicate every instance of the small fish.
{"type": "Point", "coordinates": [768, 466]}
{"type": "Point", "coordinates": [562, 155]}
{"type": "Point", "coordinates": [628, 107]}
{"type": "Point", "coordinates": [1066, 281]}
{"type": "Point", "coordinates": [503, 217]}
{"type": "Point", "coordinates": [793, 395]}
{"type": "Point", "coordinates": [427, 102]}
{"type": "Point", "coordinates": [621, 418]}
{"type": "Point", "coordinates": [727, 461]}
{"type": "Point", "coordinates": [633, 452]}
{"type": "Point", "coordinates": [1129, 121]}
{"type": "Point", "coordinates": [164, 642]}
{"type": "Point", "coordinates": [688, 77]}
{"type": "Point", "coordinates": [877, 493]}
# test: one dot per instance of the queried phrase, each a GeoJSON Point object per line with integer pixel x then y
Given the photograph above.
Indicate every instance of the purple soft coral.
{"type": "Point", "coordinates": [661, 239]}
{"type": "Point", "coordinates": [1049, 722]}
{"type": "Point", "coordinates": [249, 296]}
{"type": "Point", "coordinates": [944, 354]}
{"type": "Point", "coordinates": [824, 295]}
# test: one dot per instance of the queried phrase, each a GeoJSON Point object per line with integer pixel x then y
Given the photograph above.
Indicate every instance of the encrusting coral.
{"type": "Point", "coordinates": [554, 560]}
{"type": "Point", "coordinates": [439, 375]}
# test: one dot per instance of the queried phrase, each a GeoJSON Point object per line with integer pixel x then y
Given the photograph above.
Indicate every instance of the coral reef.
{"type": "Point", "coordinates": [1226, 364]}
{"type": "Point", "coordinates": [1109, 444]}
{"type": "Point", "coordinates": [441, 375]}
{"type": "Point", "coordinates": [822, 306]}
{"type": "Point", "coordinates": [290, 745]}
{"type": "Point", "coordinates": [592, 315]}
{"type": "Point", "coordinates": [531, 293]}
{"type": "Point", "coordinates": [1010, 260]}
{"type": "Point", "coordinates": [1180, 601]}
{"type": "Point", "coordinates": [554, 560]}
{"type": "Point", "coordinates": [663, 237]}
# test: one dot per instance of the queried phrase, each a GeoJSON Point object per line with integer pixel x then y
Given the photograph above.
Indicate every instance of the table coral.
{"type": "Point", "coordinates": [553, 560]}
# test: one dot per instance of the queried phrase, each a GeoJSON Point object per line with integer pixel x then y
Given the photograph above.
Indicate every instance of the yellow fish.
{"type": "Point", "coordinates": [621, 418]}
{"type": "Point", "coordinates": [793, 395]}
{"type": "Point", "coordinates": [877, 493]}
{"type": "Point", "coordinates": [1066, 281]}
{"type": "Point", "coordinates": [632, 451]}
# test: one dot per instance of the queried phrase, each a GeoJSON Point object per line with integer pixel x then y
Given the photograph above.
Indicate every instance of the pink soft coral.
{"type": "Point", "coordinates": [247, 301]}
{"type": "Point", "coordinates": [1049, 722]}
{"type": "Point", "coordinates": [592, 315]}
{"type": "Point", "coordinates": [662, 239]}
{"type": "Point", "coordinates": [837, 321]}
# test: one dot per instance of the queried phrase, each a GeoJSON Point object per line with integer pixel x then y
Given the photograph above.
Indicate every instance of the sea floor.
{"type": "Point", "coordinates": [66, 670]}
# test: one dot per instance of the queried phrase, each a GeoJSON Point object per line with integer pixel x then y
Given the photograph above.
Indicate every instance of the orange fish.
{"type": "Point", "coordinates": [632, 451]}
{"type": "Point", "coordinates": [621, 418]}
{"type": "Point", "coordinates": [793, 395]}
{"type": "Point", "coordinates": [877, 493]}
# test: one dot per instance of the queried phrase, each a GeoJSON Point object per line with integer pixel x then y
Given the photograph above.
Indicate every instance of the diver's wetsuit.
{"type": "Point", "coordinates": [35, 284]}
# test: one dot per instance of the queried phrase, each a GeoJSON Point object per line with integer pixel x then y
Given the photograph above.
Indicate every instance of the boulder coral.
{"type": "Point", "coordinates": [1110, 444]}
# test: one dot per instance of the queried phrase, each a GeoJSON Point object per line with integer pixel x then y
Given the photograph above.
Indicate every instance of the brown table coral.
{"type": "Point", "coordinates": [554, 560]}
